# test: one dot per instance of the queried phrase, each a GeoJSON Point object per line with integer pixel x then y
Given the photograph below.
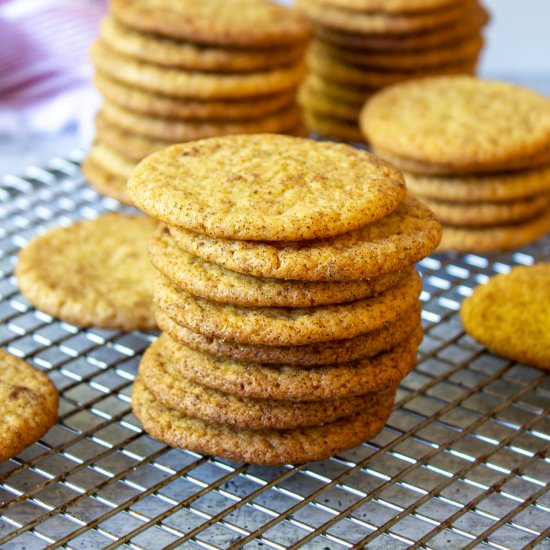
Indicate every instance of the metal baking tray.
{"type": "Point", "coordinates": [462, 463]}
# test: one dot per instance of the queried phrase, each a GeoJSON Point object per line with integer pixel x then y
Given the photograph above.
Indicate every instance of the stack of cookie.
{"type": "Point", "coordinates": [478, 152]}
{"type": "Point", "coordinates": [364, 45]}
{"type": "Point", "coordinates": [178, 71]}
{"type": "Point", "coordinates": [286, 294]}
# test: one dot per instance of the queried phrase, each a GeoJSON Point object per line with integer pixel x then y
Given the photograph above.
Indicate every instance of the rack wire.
{"type": "Point", "coordinates": [462, 463]}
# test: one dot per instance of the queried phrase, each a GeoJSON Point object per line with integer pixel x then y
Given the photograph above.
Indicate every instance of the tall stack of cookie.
{"type": "Point", "coordinates": [177, 71]}
{"type": "Point", "coordinates": [477, 152]}
{"type": "Point", "coordinates": [286, 292]}
{"type": "Point", "coordinates": [363, 45]}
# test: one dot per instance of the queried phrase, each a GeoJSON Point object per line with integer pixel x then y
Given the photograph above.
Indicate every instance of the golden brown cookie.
{"type": "Point", "coordinates": [510, 315]}
{"type": "Point", "coordinates": [213, 282]}
{"type": "Point", "coordinates": [176, 392]}
{"type": "Point", "coordinates": [365, 345]}
{"type": "Point", "coordinates": [311, 100]}
{"type": "Point", "coordinates": [463, 123]}
{"type": "Point", "coordinates": [104, 181]}
{"type": "Point", "coordinates": [111, 160]}
{"type": "Point", "coordinates": [288, 383]}
{"type": "Point", "coordinates": [92, 273]}
{"type": "Point", "coordinates": [149, 103]}
{"type": "Point", "coordinates": [390, 6]}
{"type": "Point", "coordinates": [182, 83]}
{"type": "Point", "coordinates": [401, 239]}
{"type": "Point", "coordinates": [171, 53]}
{"type": "Point", "coordinates": [330, 127]}
{"type": "Point", "coordinates": [28, 405]}
{"type": "Point", "coordinates": [338, 92]}
{"type": "Point", "coordinates": [243, 23]}
{"type": "Point", "coordinates": [265, 187]}
{"type": "Point", "coordinates": [285, 326]}
{"type": "Point", "coordinates": [268, 447]}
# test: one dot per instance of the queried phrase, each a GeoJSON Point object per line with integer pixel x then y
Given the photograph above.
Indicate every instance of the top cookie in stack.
{"type": "Point", "coordinates": [178, 71]}
{"type": "Point", "coordinates": [364, 45]}
{"type": "Point", "coordinates": [286, 292]}
{"type": "Point", "coordinates": [477, 151]}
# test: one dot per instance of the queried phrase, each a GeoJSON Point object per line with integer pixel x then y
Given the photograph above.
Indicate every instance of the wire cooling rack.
{"type": "Point", "coordinates": [462, 463]}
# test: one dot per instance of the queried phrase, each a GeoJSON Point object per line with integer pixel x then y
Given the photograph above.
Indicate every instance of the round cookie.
{"type": "Point", "coordinates": [488, 213]}
{"type": "Point", "coordinates": [506, 186]}
{"type": "Point", "coordinates": [324, 353]}
{"type": "Point", "coordinates": [496, 238]}
{"type": "Point", "coordinates": [149, 103]}
{"type": "Point", "coordinates": [171, 53]}
{"type": "Point", "coordinates": [265, 187]}
{"type": "Point", "coordinates": [509, 315]}
{"type": "Point", "coordinates": [210, 281]}
{"type": "Point", "coordinates": [463, 123]}
{"type": "Point", "coordinates": [267, 447]}
{"type": "Point", "coordinates": [175, 130]}
{"type": "Point", "coordinates": [398, 7]}
{"type": "Point", "coordinates": [181, 83]}
{"type": "Point", "coordinates": [399, 240]}
{"type": "Point", "coordinates": [104, 181]}
{"type": "Point", "coordinates": [288, 383]}
{"type": "Point", "coordinates": [243, 23]}
{"type": "Point", "coordinates": [176, 392]}
{"type": "Point", "coordinates": [332, 128]}
{"type": "Point", "coordinates": [337, 92]}
{"type": "Point", "coordinates": [112, 161]}
{"type": "Point", "coordinates": [311, 100]}
{"type": "Point", "coordinates": [28, 405]}
{"type": "Point", "coordinates": [285, 326]}
{"type": "Point", "coordinates": [92, 273]}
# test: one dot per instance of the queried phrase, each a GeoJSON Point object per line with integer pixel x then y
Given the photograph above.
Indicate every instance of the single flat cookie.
{"type": "Point", "coordinates": [180, 83]}
{"type": "Point", "coordinates": [390, 6]}
{"type": "Point", "coordinates": [331, 127]}
{"type": "Point", "coordinates": [496, 238]}
{"type": "Point", "coordinates": [172, 53]}
{"type": "Point", "coordinates": [467, 124]}
{"type": "Point", "coordinates": [104, 181]}
{"type": "Point", "coordinates": [176, 392]}
{"type": "Point", "coordinates": [28, 405]}
{"type": "Point", "coordinates": [285, 326]}
{"type": "Point", "coordinates": [175, 130]}
{"type": "Point", "coordinates": [310, 99]}
{"type": "Point", "coordinates": [365, 345]}
{"type": "Point", "coordinates": [210, 281]}
{"type": "Point", "coordinates": [399, 240]}
{"type": "Point", "coordinates": [288, 383]}
{"type": "Point", "coordinates": [267, 447]}
{"type": "Point", "coordinates": [499, 187]}
{"type": "Point", "coordinates": [244, 23]}
{"type": "Point", "coordinates": [92, 273]}
{"type": "Point", "coordinates": [265, 187]}
{"type": "Point", "coordinates": [510, 315]}
{"type": "Point", "coordinates": [484, 214]}
{"type": "Point", "coordinates": [148, 103]}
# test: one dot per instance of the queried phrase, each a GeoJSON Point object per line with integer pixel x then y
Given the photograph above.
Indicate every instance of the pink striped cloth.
{"type": "Point", "coordinates": [44, 66]}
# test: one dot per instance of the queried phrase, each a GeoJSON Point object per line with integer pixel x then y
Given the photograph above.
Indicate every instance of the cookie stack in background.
{"type": "Point", "coordinates": [286, 292]}
{"type": "Point", "coordinates": [361, 46]}
{"type": "Point", "coordinates": [177, 71]}
{"type": "Point", "coordinates": [478, 152]}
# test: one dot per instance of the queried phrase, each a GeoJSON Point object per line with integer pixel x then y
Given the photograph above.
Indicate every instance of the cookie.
{"type": "Point", "coordinates": [285, 326]}
{"type": "Point", "coordinates": [148, 103]}
{"type": "Point", "coordinates": [210, 281]}
{"type": "Point", "coordinates": [243, 23]}
{"type": "Point", "coordinates": [509, 315]}
{"type": "Point", "coordinates": [166, 52]}
{"type": "Point", "coordinates": [498, 187]}
{"type": "Point", "coordinates": [267, 447]}
{"type": "Point", "coordinates": [104, 181]}
{"type": "Point", "coordinates": [28, 405]}
{"type": "Point", "coordinates": [401, 239]}
{"type": "Point", "coordinates": [176, 130]}
{"type": "Point", "coordinates": [488, 213]}
{"type": "Point", "coordinates": [463, 123]}
{"type": "Point", "coordinates": [338, 92]}
{"type": "Point", "coordinates": [111, 160]}
{"type": "Point", "coordinates": [176, 392]}
{"type": "Point", "coordinates": [288, 383]}
{"type": "Point", "coordinates": [365, 345]}
{"type": "Point", "coordinates": [182, 83]}
{"type": "Point", "coordinates": [92, 273]}
{"type": "Point", "coordinates": [398, 7]}
{"type": "Point", "coordinates": [376, 23]}
{"type": "Point", "coordinates": [265, 187]}
{"type": "Point", "coordinates": [332, 128]}
{"type": "Point", "coordinates": [496, 238]}
{"type": "Point", "coordinates": [311, 100]}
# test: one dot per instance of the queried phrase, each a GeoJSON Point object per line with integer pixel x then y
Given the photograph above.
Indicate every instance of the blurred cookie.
{"type": "Point", "coordinates": [105, 182]}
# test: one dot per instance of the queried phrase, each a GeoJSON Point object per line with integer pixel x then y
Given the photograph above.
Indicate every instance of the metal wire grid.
{"type": "Point", "coordinates": [462, 463]}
